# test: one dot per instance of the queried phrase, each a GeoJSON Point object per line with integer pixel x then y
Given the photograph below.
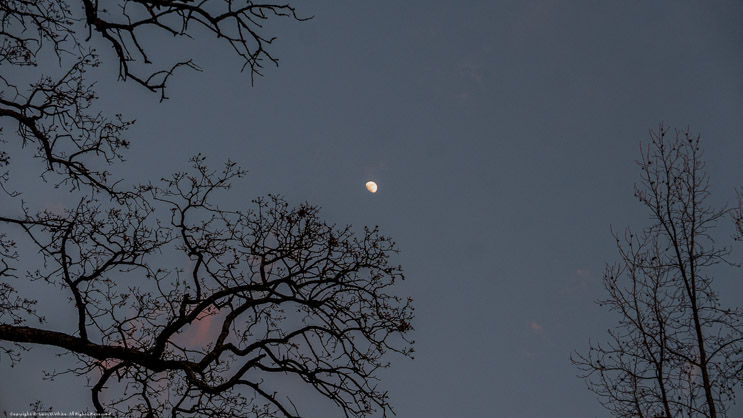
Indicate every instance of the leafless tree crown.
{"type": "Point", "coordinates": [676, 351]}
{"type": "Point", "coordinates": [254, 299]}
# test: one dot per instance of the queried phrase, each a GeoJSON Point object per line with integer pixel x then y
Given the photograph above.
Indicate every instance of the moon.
{"type": "Point", "coordinates": [371, 186]}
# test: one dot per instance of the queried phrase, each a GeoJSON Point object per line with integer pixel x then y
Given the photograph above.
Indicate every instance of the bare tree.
{"type": "Point", "coordinates": [675, 352]}
{"type": "Point", "coordinates": [261, 295]}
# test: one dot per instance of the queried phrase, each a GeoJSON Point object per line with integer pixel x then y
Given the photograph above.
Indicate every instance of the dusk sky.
{"type": "Point", "coordinates": [503, 137]}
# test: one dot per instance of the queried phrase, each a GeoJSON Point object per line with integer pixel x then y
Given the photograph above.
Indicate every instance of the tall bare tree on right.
{"type": "Point", "coordinates": [676, 351]}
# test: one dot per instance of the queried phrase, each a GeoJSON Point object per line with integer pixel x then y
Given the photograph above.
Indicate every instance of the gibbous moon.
{"type": "Point", "coordinates": [371, 186]}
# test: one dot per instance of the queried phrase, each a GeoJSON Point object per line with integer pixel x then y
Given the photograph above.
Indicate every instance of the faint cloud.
{"type": "Point", "coordinates": [55, 208]}
{"type": "Point", "coordinates": [578, 283]}
{"type": "Point", "coordinates": [470, 80]}
{"type": "Point", "coordinates": [472, 72]}
{"type": "Point", "coordinates": [201, 331]}
{"type": "Point", "coordinates": [535, 16]}
{"type": "Point", "coordinates": [583, 277]}
{"type": "Point", "coordinates": [535, 327]}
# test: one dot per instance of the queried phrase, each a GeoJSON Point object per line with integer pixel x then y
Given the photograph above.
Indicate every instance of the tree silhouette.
{"type": "Point", "coordinates": [266, 294]}
{"type": "Point", "coordinates": [676, 351]}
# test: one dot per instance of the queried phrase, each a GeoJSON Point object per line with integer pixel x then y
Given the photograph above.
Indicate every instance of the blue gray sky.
{"type": "Point", "coordinates": [502, 135]}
